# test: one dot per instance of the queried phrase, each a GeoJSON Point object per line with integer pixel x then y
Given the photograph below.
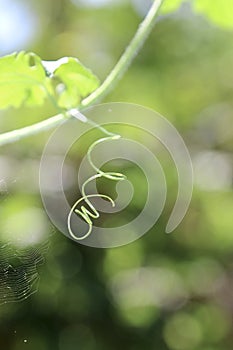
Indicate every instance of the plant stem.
{"type": "Point", "coordinates": [118, 71]}
{"type": "Point", "coordinates": [124, 62]}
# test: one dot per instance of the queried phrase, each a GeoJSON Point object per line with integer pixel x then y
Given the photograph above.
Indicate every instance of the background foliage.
{"type": "Point", "coordinates": [163, 291]}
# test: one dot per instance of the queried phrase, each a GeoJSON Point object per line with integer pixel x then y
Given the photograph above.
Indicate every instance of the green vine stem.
{"type": "Point", "coordinates": [118, 71]}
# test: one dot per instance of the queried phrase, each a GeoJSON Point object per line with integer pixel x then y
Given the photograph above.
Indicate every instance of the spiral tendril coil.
{"type": "Point", "coordinates": [89, 213]}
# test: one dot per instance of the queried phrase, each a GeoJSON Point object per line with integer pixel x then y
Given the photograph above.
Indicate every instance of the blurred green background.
{"type": "Point", "coordinates": [166, 292]}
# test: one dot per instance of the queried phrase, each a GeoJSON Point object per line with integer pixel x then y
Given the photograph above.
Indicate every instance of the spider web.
{"type": "Point", "coordinates": [19, 275]}
{"type": "Point", "coordinates": [19, 266]}
{"type": "Point", "coordinates": [20, 256]}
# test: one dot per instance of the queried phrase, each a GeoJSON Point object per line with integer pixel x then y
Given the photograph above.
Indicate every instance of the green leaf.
{"type": "Point", "coordinates": [25, 78]}
{"type": "Point", "coordinates": [170, 6]}
{"type": "Point", "coordinates": [219, 11]}
{"type": "Point", "coordinates": [22, 80]}
{"type": "Point", "coordinates": [75, 81]}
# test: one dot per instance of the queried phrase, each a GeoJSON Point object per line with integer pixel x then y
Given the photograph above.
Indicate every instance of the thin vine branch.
{"type": "Point", "coordinates": [131, 51]}
{"type": "Point", "coordinates": [118, 71]}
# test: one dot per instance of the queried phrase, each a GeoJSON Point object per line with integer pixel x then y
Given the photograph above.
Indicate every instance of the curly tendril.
{"type": "Point", "coordinates": [91, 213]}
